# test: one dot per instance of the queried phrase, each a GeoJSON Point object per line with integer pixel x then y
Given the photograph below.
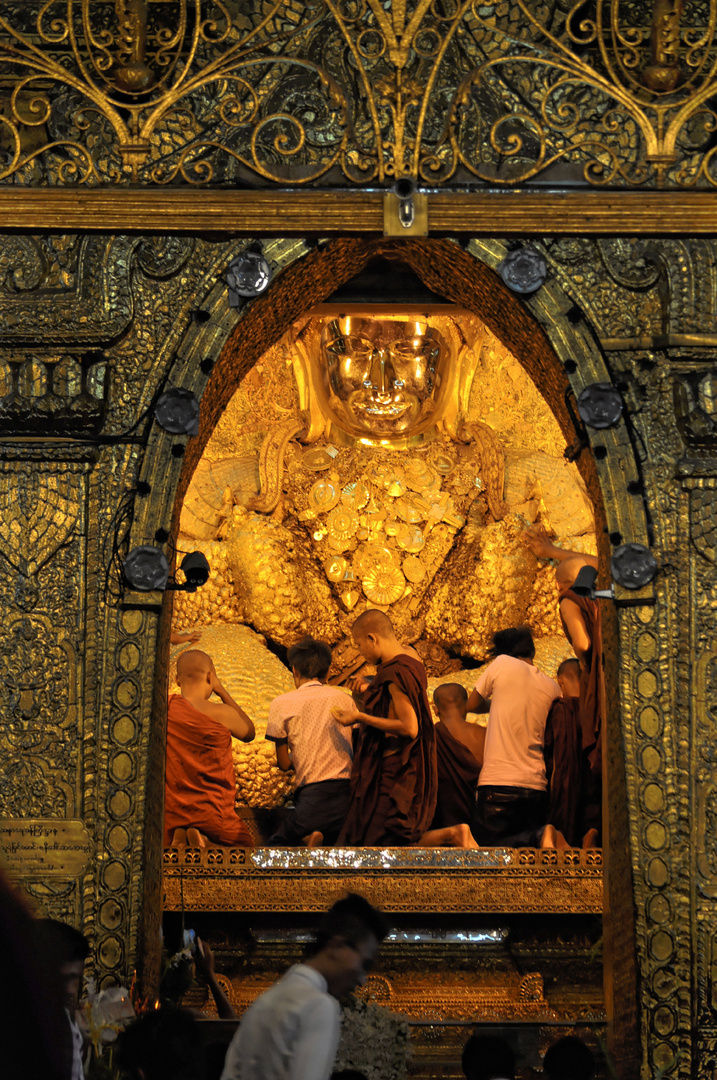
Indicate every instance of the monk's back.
{"type": "Point", "coordinates": [200, 781]}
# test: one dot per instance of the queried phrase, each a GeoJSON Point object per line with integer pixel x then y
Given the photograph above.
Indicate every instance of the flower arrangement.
{"type": "Point", "coordinates": [103, 1015]}
{"type": "Point", "coordinates": [374, 1041]}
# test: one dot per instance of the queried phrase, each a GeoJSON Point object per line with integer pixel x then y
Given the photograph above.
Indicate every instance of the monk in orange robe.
{"type": "Point", "coordinates": [200, 783]}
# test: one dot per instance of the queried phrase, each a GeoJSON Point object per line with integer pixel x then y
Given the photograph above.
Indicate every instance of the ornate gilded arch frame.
{"type": "Point", "coordinates": [562, 357]}
{"type": "Point", "coordinates": [619, 170]}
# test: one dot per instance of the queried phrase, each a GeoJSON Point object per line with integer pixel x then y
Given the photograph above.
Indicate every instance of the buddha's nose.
{"type": "Point", "coordinates": [382, 375]}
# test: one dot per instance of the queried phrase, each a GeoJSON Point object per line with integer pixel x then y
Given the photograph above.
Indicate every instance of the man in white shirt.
{"type": "Point", "coordinates": [512, 800]}
{"type": "Point", "coordinates": [310, 741]}
{"type": "Point", "coordinates": [67, 949]}
{"type": "Point", "coordinates": [292, 1031]}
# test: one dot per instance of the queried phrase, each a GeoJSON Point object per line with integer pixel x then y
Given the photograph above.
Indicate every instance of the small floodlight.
{"type": "Point", "coordinates": [177, 411]}
{"type": "Point", "coordinates": [196, 571]}
{"type": "Point", "coordinates": [247, 276]}
{"type": "Point", "coordinates": [600, 405]}
{"type": "Point", "coordinates": [633, 566]}
{"type": "Point", "coordinates": [524, 270]}
{"type": "Point", "coordinates": [584, 584]}
{"type": "Point", "coordinates": [146, 568]}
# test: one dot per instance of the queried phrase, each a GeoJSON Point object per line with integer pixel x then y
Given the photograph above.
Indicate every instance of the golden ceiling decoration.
{"type": "Point", "coordinates": [193, 92]}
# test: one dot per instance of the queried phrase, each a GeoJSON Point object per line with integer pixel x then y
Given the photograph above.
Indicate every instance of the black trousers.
{"type": "Point", "coordinates": [317, 807]}
{"type": "Point", "coordinates": [509, 816]}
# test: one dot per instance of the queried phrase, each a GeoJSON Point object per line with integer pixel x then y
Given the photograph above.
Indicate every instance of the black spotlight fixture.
{"type": "Point", "coordinates": [196, 572]}
{"type": "Point", "coordinates": [524, 270]}
{"type": "Point", "coordinates": [146, 568]}
{"type": "Point", "coordinates": [177, 411]}
{"type": "Point", "coordinates": [584, 585]}
{"type": "Point", "coordinates": [600, 405]}
{"type": "Point", "coordinates": [633, 566]}
{"type": "Point", "coordinates": [247, 276]}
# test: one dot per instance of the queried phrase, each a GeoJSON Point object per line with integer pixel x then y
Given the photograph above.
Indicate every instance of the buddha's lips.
{"type": "Point", "coordinates": [375, 408]}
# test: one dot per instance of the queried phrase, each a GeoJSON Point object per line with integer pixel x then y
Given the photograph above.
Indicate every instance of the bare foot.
{"type": "Point", "coordinates": [196, 839]}
{"type": "Point", "coordinates": [463, 837]}
{"type": "Point", "coordinates": [179, 839]}
{"type": "Point", "coordinates": [552, 838]}
{"type": "Point", "coordinates": [590, 839]}
{"type": "Point", "coordinates": [315, 839]}
{"type": "Point", "coordinates": [449, 836]}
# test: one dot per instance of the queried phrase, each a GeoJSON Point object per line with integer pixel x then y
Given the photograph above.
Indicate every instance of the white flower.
{"type": "Point", "coordinates": [374, 1040]}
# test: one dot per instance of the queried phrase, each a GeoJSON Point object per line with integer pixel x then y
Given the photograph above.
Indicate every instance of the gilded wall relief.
{"type": "Point", "coordinates": [313, 501]}
{"type": "Point", "coordinates": [196, 92]}
{"type": "Point", "coordinates": [112, 652]}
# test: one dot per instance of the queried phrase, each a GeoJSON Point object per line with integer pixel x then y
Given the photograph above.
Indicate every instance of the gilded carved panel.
{"type": "Point", "coordinates": [77, 697]}
{"type": "Point", "coordinates": [197, 92]}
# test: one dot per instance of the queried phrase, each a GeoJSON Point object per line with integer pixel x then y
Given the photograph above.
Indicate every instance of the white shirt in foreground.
{"type": "Point", "coordinates": [78, 1070]}
{"type": "Point", "coordinates": [520, 698]}
{"type": "Point", "coordinates": [291, 1032]}
{"type": "Point", "coordinates": [320, 748]}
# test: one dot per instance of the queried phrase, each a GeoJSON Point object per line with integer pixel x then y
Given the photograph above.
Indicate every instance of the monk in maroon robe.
{"type": "Point", "coordinates": [580, 617]}
{"type": "Point", "coordinates": [563, 755]}
{"type": "Point", "coordinates": [199, 781]}
{"type": "Point", "coordinates": [459, 753]}
{"type": "Point", "coordinates": [394, 779]}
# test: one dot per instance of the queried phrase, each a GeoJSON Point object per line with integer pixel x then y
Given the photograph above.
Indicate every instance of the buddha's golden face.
{"type": "Point", "coordinates": [381, 377]}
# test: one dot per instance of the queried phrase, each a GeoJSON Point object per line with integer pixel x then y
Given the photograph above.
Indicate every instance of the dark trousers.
{"type": "Point", "coordinates": [509, 816]}
{"type": "Point", "coordinates": [317, 807]}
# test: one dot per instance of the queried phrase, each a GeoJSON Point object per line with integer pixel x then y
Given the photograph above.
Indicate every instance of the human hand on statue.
{"type": "Point", "coordinates": [177, 638]}
{"type": "Point", "coordinates": [537, 539]}
{"type": "Point", "coordinates": [216, 686]}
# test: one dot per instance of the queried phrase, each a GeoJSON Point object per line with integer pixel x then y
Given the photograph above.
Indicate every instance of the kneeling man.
{"type": "Point", "coordinates": [311, 742]}
{"type": "Point", "coordinates": [200, 783]}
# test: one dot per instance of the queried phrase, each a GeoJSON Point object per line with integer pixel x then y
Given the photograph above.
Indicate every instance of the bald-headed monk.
{"type": "Point", "coordinates": [200, 782]}
{"type": "Point", "coordinates": [459, 752]}
{"type": "Point", "coordinates": [564, 762]}
{"type": "Point", "coordinates": [580, 617]}
{"type": "Point", "coordinates": [394, 779]}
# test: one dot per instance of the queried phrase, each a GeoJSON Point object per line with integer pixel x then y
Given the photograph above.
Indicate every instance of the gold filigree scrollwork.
{"type": "Point", "coordinates": [207, 91]}
{"type": "Point", "coordinates": [147, 90]}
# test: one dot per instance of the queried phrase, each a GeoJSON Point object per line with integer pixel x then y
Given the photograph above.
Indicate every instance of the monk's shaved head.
{"type": "Point", "coordinates": [373, 622]}
{"type": "Point", "coordinates": [571, 666]}
{"type": "Point", "coordinates": [568, 676]}
{"type": "Point", "coordinates": [450, 694]}
{"type": "Point", "coordinates": [193, 664]}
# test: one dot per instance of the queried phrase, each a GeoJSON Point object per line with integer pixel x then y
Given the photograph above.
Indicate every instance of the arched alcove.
{"type": "Point", "coordinates": [537, 331]}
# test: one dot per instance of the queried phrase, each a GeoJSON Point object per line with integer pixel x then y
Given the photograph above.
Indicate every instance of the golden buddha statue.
{"type": "Point", "coordinates": [371, 482]}
{"type": "Point", "coordinates": [381, 378]}
{"type": "Point", "coordinates": [389, 462]}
